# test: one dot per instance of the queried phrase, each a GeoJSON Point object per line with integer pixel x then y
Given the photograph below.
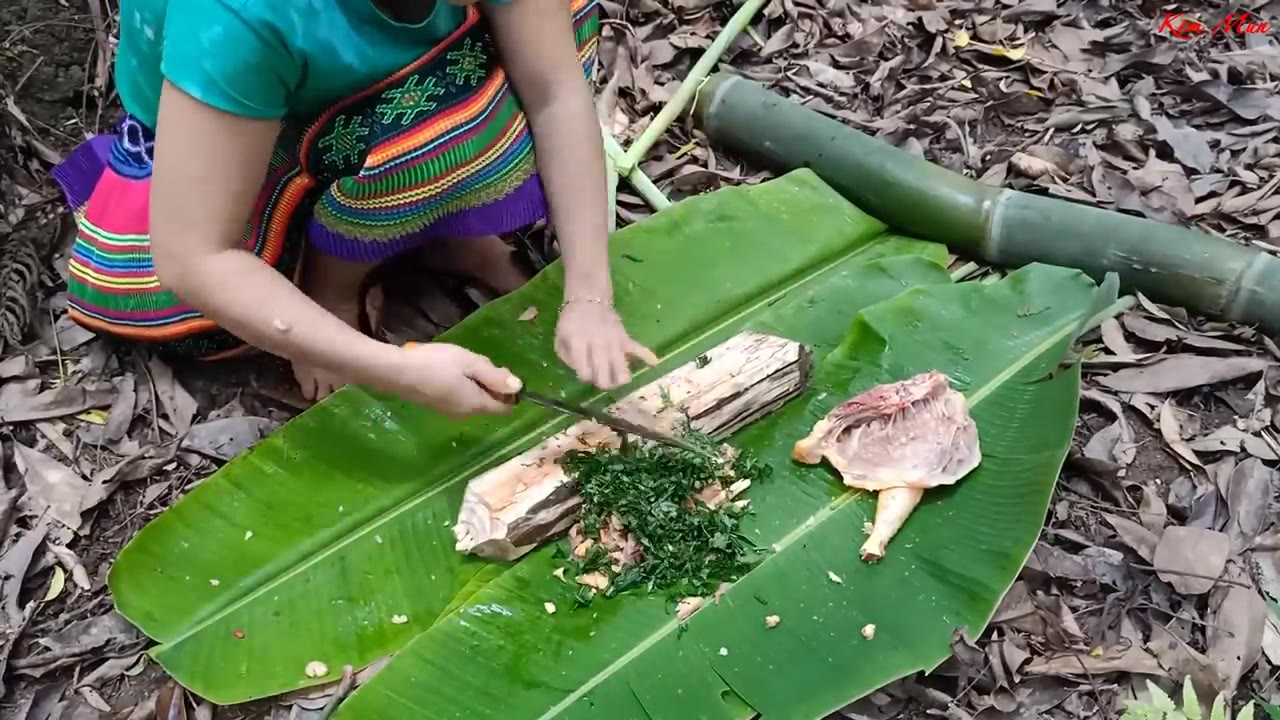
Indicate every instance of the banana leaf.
{"type": "Point", "coordinates": [330, 541]}
{"type": "Point", "coordinates": [501, 655]}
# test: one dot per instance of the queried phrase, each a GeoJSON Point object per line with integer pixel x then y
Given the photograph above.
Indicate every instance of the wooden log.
{"type": "Point", "coordinates": [528, 500]}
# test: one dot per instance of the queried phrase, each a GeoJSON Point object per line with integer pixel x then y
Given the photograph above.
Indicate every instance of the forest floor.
{"type": "Point", "coordinates": [1097, 101]}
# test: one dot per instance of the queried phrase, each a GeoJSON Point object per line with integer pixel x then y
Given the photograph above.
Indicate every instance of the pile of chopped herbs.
{"type": "Point", "coordinates": [689, 549]}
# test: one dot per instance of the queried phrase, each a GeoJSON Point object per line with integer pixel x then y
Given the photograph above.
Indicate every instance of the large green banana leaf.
{"type": "Point", "coordinates": [307, 547]}
{"type": "Point", "coordinates": [502, 655]}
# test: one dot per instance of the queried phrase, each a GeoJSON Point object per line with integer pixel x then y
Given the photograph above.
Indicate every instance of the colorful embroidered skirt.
{"type": "Point", "coordinates": [440, 149]}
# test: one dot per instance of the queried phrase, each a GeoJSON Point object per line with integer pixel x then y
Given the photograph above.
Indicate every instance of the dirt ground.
{"type": "Point", "coordinates": [1082, 112]}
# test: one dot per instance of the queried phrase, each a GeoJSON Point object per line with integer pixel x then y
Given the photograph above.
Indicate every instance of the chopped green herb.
{"type": "Point", "coordinates": [688, 548]}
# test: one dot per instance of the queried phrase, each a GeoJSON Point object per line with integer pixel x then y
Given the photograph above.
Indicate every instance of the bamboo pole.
{"type": "Point", "coordinates": [1169, 263]}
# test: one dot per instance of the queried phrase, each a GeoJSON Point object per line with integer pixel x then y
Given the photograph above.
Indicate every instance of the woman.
{"type": "Point", "coordinates": [380, 127]}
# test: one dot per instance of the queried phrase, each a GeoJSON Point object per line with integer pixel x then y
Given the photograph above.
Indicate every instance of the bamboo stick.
{"type": "Point", "coordinates": [611, 175]}
{"type": "Point", "coordinates": [626, 163]}
{"type": "Point", "coordinates": [690, 86]}
{"type": "Point", "coordinates": [1171, 264]}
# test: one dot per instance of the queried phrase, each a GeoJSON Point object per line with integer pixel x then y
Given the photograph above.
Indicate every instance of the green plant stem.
{"type": "Point", "coordinates": [648, 190]}
{"type": "Point", "coordinates": [641, 182]}
{"type": "Point", "coordinates": [965, 271]}
{"type": "Point", "coordinates": [1111, 311]}
{"type": "Point", "coordinates": [689, 88]}
{"type": "Point", "coordinates": [611, 177]}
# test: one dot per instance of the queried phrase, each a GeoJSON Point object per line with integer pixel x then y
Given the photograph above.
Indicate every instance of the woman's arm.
{"type": "Point", "coordinates": [209, 168]}
{"type": "Point", "coordinates": [535, 38]}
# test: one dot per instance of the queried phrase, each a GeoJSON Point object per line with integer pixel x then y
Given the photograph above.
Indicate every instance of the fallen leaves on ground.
{"type": "Point", "coordinates": [1088, 101]}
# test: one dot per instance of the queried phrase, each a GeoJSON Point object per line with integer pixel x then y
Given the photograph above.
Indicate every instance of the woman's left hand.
{"type": "Point", "coordinates": [591, 340]}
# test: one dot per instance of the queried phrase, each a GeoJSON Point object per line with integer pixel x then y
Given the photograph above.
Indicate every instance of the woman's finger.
{"type": "Point", "coordinates": [618, 360]}
{"type": "Point", "coordinates": [581, 352]}
{"type": "Point", "coordinates": [644, 354]}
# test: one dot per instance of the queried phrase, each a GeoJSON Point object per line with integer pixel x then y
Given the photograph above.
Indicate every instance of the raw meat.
{"type": "Point", "coordinates": [898, 440]}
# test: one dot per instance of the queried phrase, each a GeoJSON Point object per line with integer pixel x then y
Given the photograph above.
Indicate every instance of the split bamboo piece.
{"type": "Point", "coordinates": [528, 500]}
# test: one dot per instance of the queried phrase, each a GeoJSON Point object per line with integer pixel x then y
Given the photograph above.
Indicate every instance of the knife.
{"type": "Point", "coordinates": [610, 421]}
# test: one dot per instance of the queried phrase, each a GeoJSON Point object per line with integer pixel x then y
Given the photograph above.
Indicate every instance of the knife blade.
{"type": "Point", "coordinates": [610, 421]}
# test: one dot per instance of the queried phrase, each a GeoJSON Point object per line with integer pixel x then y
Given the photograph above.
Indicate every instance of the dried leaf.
{"type": "Point", "coordinates": [1110, 660]}
{"type": "Point", "coordinates": [1171, 431]}
{"type": "Point", "coordinates": [1113, 338]}
{"type": "Point", "coordinates": [122, 410]}
{"type": "Point", "coordinates": [829, 76]}
{"type": "Point", "coordinates": [1248, 103]}
{"type": "Point", "coordinates": [1151, 58]}
{"type": "Point", "coordinates": [1232, 439]}
{"type": "Point", "coordinates": [16, 366]}
{"type": "Point", "coordinates": [1180, 659]}
{"type": "Point", "coordinates": [1191, 559]}
{"type": "Point", "coordinates": [57, 584]}
{"type": "Point", "coordinates": [139, 466]}
{"type": "Point", "coordinates": [1142, 540]}
{"type": "Point", "coordinates": [13, 570]}
{"type": "Point", "coordinates": [1154, 515]}
{"type": "Point", "coordinates": [228, 437]}
{"type": "Point", "coordinates": [1180, 372]}
{"type": "Point", "coordinates": [94, 700]}
{"type": "Point", "coordinates": [80, 638]}
{"type": "Point", "coordinates": [779, 41]}
{"type": "Point", "coordinates": [178, 404]}
{"type": "Point", "coordinates": [1156, 332]}
{"type": "Point", "coordinates": [1235, 624]}
{"type": "Point", "coordinates": [1113, 444]}
{"type": "Point", "coordinates": [111, 669]}
{"type": "Point", "coordinates": [54, 403]}
{"type": "Point", "coordinates": [1189, 145]}
{"type": "Point", "coordinates": [1251, 489]}
{"type": "Point", "coordinates": [171, 703]}
{"type": "Point", "coordinates": [55, 486]}
{"type": "Point", "coordinates": [1166, 191]}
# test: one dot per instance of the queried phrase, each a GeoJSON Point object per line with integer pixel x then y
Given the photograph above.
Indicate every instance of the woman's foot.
{"type": "Point", "coordinates": [487, 260]}
{"type": "Point", "coordinates": [334, 285]}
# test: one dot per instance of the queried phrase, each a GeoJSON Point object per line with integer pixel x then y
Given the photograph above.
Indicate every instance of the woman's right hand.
{"type": "Point", "coordinates": [451, 380]}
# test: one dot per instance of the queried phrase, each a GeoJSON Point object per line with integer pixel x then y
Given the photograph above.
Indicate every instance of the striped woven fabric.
{"type": "Point", "coordinates": [445, 141]}
{"type": "Point", "coordinates": [440, 149]}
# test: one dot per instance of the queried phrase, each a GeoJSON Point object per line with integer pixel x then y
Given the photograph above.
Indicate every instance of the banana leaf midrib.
{"type": "Point", "coordinates": [497, 455]}
{"type": "Point", "coordinates": [827, 511]}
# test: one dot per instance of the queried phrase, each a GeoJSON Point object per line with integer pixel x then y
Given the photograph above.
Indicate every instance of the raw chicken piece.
{"type": "Point", "coordinates": [898, 440]}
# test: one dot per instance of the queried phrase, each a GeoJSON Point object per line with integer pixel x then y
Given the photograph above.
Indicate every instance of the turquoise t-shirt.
{"type": "Point", "coordinates": [266, 59]}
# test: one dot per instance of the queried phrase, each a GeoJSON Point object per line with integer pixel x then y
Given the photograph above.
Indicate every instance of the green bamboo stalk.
{"type": "Point", "coordinates": [690, 87]}
{"type": "Point", "coordinates": [611, 176]}
{"type": "Point", "coordinates": [1114, 309]}
{"type": "Point", "coordinates": [1169, 263]}
{"type": "Point", "coordinates": [651, 193]}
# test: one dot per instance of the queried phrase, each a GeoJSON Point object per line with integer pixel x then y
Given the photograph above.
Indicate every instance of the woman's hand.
{"type": "Point", "coordinates": [450, 380]}
{"type": "Point", "coordinates": [591, 340]}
